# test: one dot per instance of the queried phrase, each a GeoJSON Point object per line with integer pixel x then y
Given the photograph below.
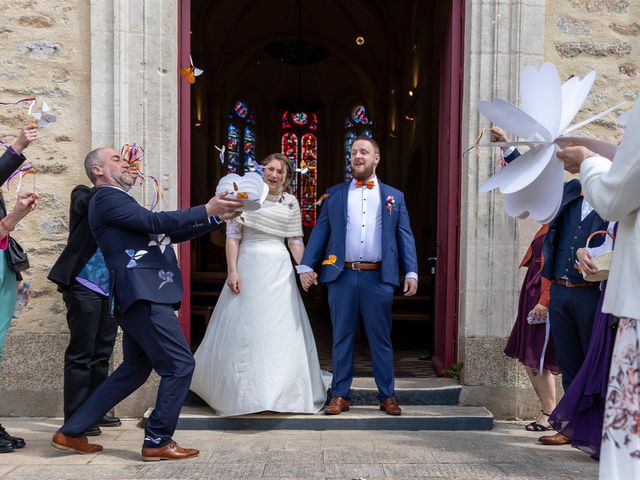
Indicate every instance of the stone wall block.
{"type": "Point", "coordinates": [53, 225]}
{"type": "Point", "coordinates": [54, 168]}
{"type": "Point", "coordinates": [490, 366]}
{"type": "Point", "coordinates": [630, 29]}
{"type": "Point", "coordinates": [572, 26]}
{"type": "Point", "coordinates": [598, 6]}
{"type": "Point", "coordinates": [573, 49]}
{"type": "Point", "coordinates": [41, 48]}
{"type": "Point", "coordinates": [36, 21]}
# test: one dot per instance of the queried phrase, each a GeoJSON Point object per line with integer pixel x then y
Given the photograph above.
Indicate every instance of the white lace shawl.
{"type": "Point", "coordinates": [281, 218]}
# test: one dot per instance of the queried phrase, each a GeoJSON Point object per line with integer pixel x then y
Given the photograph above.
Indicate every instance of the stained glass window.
{"type": "Point", "coordinates": [356, 123]}
{"type": "Point", "coordinates": [241, 138]}
{"type": "Point", "coordinates": [300, 145]}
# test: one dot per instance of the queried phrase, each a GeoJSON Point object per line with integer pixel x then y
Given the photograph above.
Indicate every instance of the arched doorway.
{"type": "Point", "coordinates": [400, 61]}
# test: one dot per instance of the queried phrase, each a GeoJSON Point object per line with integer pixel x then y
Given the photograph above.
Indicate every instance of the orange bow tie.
{"type": "Point", "coordinates": [360, 184]}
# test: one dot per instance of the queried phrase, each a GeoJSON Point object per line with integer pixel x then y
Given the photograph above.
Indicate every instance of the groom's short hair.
{"type": "Point", "coordinates": [376, 147]}
{"type": "Point", "coordinates": [93, 158]}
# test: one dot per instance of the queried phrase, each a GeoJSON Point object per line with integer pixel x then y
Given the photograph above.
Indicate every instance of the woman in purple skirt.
{"type": "Point", "coordinates": [530, 343]}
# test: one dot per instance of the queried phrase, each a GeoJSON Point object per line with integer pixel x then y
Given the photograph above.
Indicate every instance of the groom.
{"type": "Point", "coordinates": [362, 232]}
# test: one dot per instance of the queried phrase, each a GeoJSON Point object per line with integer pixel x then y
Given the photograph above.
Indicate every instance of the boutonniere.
{"type": "Point", "coordinates": [322, 199]}
{"type": "Point", "coordinates": [331, 260]}
{"type": "Point", "coordinates": [390, 203]}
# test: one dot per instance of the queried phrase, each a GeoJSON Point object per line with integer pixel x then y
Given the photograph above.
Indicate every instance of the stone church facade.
{"type": "Point", "coordinates": [109, 70]}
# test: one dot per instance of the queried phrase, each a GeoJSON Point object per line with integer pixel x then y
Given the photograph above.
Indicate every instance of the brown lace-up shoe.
{"type": "Point", "coordinates": [170, 451]}
{"type": "Point", "coordinates": [390, 406]}
{"type": "Point", "coordinates": [75, 444]}
{"type": "Point", "coordinates": [555, 439]}
{"type": "Point", "coordinates": [336, 406]}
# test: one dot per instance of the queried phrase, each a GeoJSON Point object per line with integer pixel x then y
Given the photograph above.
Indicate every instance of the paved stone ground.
{"type": "Point", "coordinates": [506, 452]}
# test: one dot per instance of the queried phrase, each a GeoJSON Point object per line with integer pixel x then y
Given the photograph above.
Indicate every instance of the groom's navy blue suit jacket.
{"type": "Point", "coordinates": [141, 267]}
{"type": "Point", "coordinates": [329, 235]}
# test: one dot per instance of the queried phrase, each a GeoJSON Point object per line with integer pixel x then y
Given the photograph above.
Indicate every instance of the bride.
{"type": "Point", "coordinates": [259, 352]}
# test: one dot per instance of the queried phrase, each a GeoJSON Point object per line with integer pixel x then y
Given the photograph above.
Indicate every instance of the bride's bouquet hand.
{"type": "Point", "coordinates": [233, 282]}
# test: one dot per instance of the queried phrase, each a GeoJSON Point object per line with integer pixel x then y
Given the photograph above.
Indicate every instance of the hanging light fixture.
{"type": "Point", "coordinates": [300, 54]}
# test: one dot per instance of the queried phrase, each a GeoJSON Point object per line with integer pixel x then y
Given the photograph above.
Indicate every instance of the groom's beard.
{"type": "Point", "coordinates": [363, 175]}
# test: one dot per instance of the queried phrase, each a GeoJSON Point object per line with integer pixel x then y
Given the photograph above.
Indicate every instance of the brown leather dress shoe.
{"type": "Point", "coordinates": [170, 451]}
{"type": "Point", "coordinates": [390, 406]}
{"type": "Point", "coordinates": [75, 444]}
{"type": "Point", "coordinates": [556, 439]}
{"type": "Point", "coordinates": [336, 406]}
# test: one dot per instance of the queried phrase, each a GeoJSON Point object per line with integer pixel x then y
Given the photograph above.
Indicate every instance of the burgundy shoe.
{"type": "Point", "coordinates": [390, 406]}
{"type": "Point", "coordinates": [75, 444]}
{"type": "Point", "coordinates": [170, 451]}
{"type": "Point", "coordinates": [336, 406]}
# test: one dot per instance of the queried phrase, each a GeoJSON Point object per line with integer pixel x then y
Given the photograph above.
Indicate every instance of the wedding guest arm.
{"type": "Point", "coordinates": [10, 161]}
{"type": "Point", "coordinates": [25, 204]}
{"type": "Point", "coordinates": [611, 187]}
{"type": "Point", "coordinates": [13, 157]}
{"type": "Point", "coordinates": [186, 224]}
{"type": "Point", "coordinates": [509, 153]}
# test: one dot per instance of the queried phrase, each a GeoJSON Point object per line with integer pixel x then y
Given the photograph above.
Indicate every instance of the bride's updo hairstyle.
{"type": "Point", "coordinates": [287, 167]}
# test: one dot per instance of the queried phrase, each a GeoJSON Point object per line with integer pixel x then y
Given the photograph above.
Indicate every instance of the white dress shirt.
{"type": "Point", "coordinates": [586, 209]}
{"type": "Point", "coordinates": [364, 224]}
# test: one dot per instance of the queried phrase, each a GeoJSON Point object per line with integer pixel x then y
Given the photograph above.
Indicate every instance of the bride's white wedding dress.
{"type": "Point", "coordinates": [259, 352]}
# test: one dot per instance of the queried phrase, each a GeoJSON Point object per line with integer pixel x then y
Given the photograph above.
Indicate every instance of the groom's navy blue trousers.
{"type": "Point", "coordinates": [355, 294]}
{"type": "Point", "coordinates": [152, 340]}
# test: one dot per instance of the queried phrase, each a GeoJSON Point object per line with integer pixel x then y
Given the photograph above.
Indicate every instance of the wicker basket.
{"type": "Point", "coordinates": [602, 261]}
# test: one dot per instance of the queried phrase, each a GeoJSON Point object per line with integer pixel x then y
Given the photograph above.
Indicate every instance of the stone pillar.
{"type": "Point", "coordinates": [134, 90]}
{"type": "Point", "coordinates": [500, 38]}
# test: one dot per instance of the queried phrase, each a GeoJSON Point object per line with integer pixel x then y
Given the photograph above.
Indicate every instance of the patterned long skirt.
{"type": "Point", "coordinates": [620, 452]}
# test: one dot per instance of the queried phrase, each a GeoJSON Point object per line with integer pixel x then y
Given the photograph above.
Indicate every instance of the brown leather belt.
{"type": "Point", "coordinates": [569, 284]}
{"type": "Point", "coordinates": [362, 265]}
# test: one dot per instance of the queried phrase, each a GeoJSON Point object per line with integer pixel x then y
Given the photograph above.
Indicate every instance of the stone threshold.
{"type": "Point", "coordinates": [414, 417]}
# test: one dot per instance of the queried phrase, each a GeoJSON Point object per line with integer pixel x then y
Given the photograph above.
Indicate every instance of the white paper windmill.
{"type": "Point", "coordinates": [221, 151]}
{"type": "Point", "coordinates": [43, 117]}
{"type": "Point", "coordinates": [533, 182]}
{"type": "Point", "coordinates": [249, 189]}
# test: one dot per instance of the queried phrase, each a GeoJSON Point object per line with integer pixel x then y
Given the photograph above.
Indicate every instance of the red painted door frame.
{"type": "Point", "coordinates": [448, 241]}
{"type": "Point", "coordinates": [448, 236]}
{"type": "Point", "coordinates": [184, 157]}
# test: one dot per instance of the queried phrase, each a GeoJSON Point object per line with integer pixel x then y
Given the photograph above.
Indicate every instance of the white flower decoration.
{"type": "Point", "coordinates": [533, 183]}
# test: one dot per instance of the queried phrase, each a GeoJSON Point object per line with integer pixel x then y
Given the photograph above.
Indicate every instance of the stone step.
{"type": "Point", "coordinates": [418, 417]}
{"type": "Point", "coordinates": [409, 391]}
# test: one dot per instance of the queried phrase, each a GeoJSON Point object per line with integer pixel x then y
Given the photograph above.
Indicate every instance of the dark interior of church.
{"type": "Point", "coordinates": [320, 73]}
